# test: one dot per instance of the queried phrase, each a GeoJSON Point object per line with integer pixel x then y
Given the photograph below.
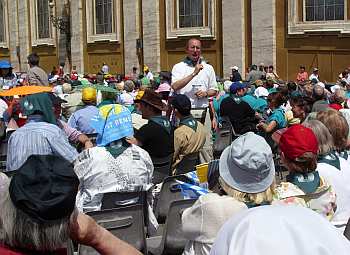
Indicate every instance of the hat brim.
{"type": "Point", "coordinates": [163, 107]}
{"type": "Point", "coordinates": [236, 178]}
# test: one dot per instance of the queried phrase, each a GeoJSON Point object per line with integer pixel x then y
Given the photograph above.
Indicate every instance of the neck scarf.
{"type": "Point", "coordinates": [163, 122]}
{"type": "Point", "coordinates": [344, 155]}
{"type": "Point", "coordinates": [189, 122]}
{"type": "Point", "coordinates": [192, 63]}
{"type": "Point", "coordinates": [331, 159]}
{"type": "Point", "coordinates": [40, 102]}
{"type": "Point", "coordinates": [308, 182]}
{"type": "Point", "coordinates": [252, 205]}
{"type": "Point", "coordinates": [118, 147]}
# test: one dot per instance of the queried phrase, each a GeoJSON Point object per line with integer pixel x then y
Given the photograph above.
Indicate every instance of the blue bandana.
{"type": "Point", "coordinates": [112, 123]}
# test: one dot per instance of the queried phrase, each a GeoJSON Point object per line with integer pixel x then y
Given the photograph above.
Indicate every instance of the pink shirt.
{"type": "Point", "coordinates": [302, 76]}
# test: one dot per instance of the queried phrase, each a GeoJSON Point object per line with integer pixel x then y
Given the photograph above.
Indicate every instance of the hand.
{"type": "Point", "coordinates": [260, 125]}
{"type": "Point", "coordinates": [201, 94]}
{"type": "Point", "coordinates": [258, 116]}
{"type": "Point", "coordinates": [197, 69]}
{"type": "Point", "coordinates": [133, 140]}
{"type": "Point", "coordinates": [214, 124]}
{"type": "Point", "coordinates": [88, 144]}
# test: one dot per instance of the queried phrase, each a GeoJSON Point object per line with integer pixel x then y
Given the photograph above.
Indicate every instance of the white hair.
{"type": "Point", "coordinates": [19, 231]}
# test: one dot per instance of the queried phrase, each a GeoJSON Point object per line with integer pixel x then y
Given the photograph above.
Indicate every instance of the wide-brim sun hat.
{"type": "Point", "coordinates": [152, 98]}
{"type": "Point", "coordinates": [247, 164]}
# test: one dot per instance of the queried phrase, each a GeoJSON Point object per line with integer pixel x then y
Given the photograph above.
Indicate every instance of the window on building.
{"type": "Point", "coordinates": [104, 16]}
{"type": "Point", "coordinates": [190, 13]}
{"type": "Point", "coordinates": [322, 10]}
{"type": "Point", "coordinates": [2, 21]}
{"type": "Point", "coordinates": [43, 17]}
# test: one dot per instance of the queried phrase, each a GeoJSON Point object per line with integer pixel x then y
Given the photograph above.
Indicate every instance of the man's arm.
{"type": "Point", "coordinates": [86, 231]}
{"type": "Point", "coordinates": [184, 81]}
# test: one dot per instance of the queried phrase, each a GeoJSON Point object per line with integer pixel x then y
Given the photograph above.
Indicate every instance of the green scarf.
{"type": "Point", "coordinates": [330, 159]}
{"type": "Point", "coordinates": [308, 182]}
{"type": "Point", "coordinates": [116, 148]}
{"type": "Point", "coordinates": [344, 155]}
{"type": "Point", "coordinates": [252, 205]}
{"type": "Point", "coordinates": [236, 98]}
{"type": "Point", "coordinates": [191, 63]}
{"type": "Point", "coordinates": [163, 122]}
{"type": "Point", "coordinates": [40, 102]}
{"type": "Point", "coordinates": [189, 122]}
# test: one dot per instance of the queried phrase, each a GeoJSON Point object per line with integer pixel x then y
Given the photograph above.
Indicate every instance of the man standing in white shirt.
{"type": "Point", "coordinates": [196, 79]}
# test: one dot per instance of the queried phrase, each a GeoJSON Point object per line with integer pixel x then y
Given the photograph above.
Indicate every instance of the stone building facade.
{"type": "Point", "coordinates": [124, 34]}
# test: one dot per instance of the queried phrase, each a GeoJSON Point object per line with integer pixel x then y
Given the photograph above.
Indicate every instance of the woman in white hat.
{"type": "Point", "coordinates": [246, 178]}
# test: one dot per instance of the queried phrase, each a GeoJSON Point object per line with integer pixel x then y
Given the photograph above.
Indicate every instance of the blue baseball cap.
{"type": "Point", "coordinates": [5, 64]}
{"type": "Point", "coordinates": [236, 86]}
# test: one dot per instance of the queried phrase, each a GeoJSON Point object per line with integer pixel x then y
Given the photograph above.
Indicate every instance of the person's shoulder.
{"type": "Point", "coordinates": [208, 66]}
{"type": "Point", "coordinates": [211, 199]}
{"type": "Point", "coordinates": [178, 67]}
{"type": "Point", "coordinates": [226, 100]}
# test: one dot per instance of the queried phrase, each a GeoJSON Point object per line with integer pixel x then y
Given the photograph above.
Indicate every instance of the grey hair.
{"type": "Point", "coordinates": [129, 86]}
{"type": "Point", "coordinates": [19, 231]}
{"type": "Point", "coordinates": [324, 137]}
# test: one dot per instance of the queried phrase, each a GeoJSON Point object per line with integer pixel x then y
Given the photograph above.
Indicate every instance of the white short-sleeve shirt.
{"type": "Point", "coordinates": [204, 81]}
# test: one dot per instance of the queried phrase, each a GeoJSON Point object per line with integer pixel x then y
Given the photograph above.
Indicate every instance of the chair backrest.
{"type": "Point", "coordinates": [224, 137]}
{"type": "Point", "coordinates": [169, 192]}
{"type": "Point", "coordinates": [188, 163]}
{"type": "Point", "coordinates": [113, 200]}
{"type": "Point", "coordinates": [3, 154]}
{"type": "Point", "coordinates": [126, 223]}
{"type": "Point", "coordinates": [174, 241]}
{"type": "Point", "coordinates": [162, 168]}
{"type": "Point", "coordinates": [347, 230]}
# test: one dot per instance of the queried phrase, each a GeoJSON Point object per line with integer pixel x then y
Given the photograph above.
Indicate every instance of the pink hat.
{"type": "Point", "coordinates": [164, 87]}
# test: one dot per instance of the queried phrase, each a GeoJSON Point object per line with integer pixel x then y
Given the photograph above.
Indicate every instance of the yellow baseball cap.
{"type": "Point", "coordinates": [89, 94]}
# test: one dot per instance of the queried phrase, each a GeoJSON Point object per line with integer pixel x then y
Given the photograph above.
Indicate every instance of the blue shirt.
{"type": "Point", "coordinates": [261, 105]}
{"type": "Point", "coordinates": [81, 119]}
{"type": "Point", "coordinates": [347, 94]}
{"type": "Point", "coordinates": [37, 138]}
{"type": "Point", "coordinates": [216, 105]}
{"type": "Point", "coordinates": [278, 116]}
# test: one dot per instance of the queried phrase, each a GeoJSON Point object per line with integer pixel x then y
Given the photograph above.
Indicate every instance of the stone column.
{"type": "Point", "coordinates": [13, 35]}
{"type": "Point", "coordinates": [263, 32]}
{"type": "Point", "coordinates": [151, 34]}
{"type": "Point", "coordinates": [23, 33]}
{"type": "Point", "coordinates": [233, 29]}
{"type": "Point", "coordinates": [77, 35]}
{"type": "Point", "coordinates": [131, 34]}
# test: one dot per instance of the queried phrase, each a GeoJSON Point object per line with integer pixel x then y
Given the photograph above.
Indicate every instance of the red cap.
{"type": "Point", "coordinates": [297, 140]}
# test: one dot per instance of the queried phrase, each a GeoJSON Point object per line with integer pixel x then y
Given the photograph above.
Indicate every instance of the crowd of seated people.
{"type": "Point", "coordinates": [125, 127]}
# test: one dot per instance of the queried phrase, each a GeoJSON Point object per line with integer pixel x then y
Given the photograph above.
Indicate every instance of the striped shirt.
{"type": "Point", "coordinates": [37, 138]}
